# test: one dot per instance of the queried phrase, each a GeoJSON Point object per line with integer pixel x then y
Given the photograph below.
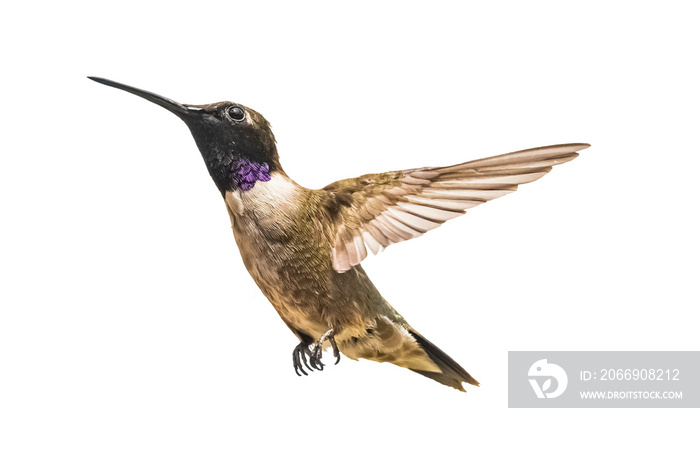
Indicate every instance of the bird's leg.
{"type": "Point", "coordinates": [317, 352]}
{"type": "Point", "coordinates": [299, 355]}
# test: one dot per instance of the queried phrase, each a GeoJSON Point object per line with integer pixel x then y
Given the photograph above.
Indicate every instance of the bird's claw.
{"type": "Point", "coordinates": [315, 358]}
{"type": "Point", "coordinates": [302, 350]}
{"type": "Point", "coordinates": [299, 355]}
{"type": "Point", "coordinates": [336, 351]}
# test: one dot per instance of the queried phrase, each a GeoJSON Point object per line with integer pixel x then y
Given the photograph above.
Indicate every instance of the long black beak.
{"type": "Point", "coordinates": [175, 107]}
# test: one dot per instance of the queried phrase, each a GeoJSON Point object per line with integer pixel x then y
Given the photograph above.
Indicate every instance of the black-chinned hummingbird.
{"type": "Point", "coordinates": [303, 247]}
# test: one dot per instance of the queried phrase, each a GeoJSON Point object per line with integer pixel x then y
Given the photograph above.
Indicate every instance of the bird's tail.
{"type": "Point", "coordinates": [452, 374]}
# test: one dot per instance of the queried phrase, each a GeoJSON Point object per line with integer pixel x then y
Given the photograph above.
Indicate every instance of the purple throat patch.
{"type": "Point", "coordinates": [246, 173]}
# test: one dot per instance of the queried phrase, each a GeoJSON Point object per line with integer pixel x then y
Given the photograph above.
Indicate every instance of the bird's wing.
{"type": "Point", "coordinates": [374, 211]}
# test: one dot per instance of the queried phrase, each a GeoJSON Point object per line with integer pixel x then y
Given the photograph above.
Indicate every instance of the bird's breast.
{"type": "Point", "coordinates": [286, 247]}
{"type": "Point", "coordinates": [282, 245]}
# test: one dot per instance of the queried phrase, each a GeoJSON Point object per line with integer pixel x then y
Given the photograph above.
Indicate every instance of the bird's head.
{"type": "Point", "coordinates": [236, 142]}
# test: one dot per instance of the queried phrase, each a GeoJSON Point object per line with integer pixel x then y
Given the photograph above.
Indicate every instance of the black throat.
{"type": "Point", "coordinates": [236, 159]}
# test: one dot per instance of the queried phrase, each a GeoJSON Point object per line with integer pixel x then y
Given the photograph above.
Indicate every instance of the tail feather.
{"type": "Point", "coordinates": [452, 373]}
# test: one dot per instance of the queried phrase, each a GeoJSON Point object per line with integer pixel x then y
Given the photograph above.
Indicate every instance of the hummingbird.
{"type": "Point", "coordinates": [304, 247]}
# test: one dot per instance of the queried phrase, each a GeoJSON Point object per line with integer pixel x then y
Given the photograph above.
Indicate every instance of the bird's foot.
{"type": "Point", "coordinates": [299, 355]}
{"type": "Point", "coordinates": [317, 352]}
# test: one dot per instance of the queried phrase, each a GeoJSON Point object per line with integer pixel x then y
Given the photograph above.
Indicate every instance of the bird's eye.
{"type": "Point", "coordinates": [236, 113]}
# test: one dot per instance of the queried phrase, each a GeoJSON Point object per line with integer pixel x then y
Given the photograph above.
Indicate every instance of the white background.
{"type": "Point", "coordinates": [130, 331]}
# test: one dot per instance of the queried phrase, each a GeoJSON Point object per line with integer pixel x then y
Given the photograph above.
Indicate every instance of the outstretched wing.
{"type": "Point", "coordinates": [375, 211]}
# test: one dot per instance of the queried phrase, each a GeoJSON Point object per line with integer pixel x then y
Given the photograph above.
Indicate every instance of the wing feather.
{"type": "Point", "coordinates": [374, 211]}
